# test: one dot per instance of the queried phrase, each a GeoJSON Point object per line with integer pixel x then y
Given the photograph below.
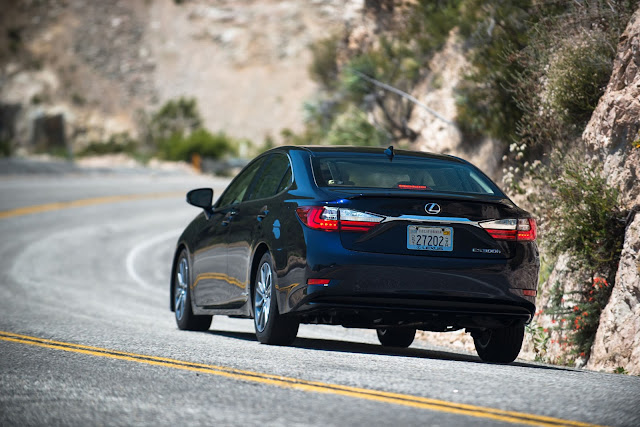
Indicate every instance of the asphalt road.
{"type": "Point", "coordinates": [86, 336]}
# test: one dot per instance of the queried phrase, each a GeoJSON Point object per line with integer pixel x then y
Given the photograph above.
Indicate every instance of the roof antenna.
{"type": "Point", "coordinates": [389, 152]}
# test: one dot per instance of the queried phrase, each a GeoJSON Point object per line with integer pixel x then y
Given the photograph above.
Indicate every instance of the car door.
{"type": "Point", "coordinates": [254, 216]}
{"type": "Point", "coordinates": [213, 288]}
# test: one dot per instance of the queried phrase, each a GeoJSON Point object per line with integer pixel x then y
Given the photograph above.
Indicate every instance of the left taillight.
{"type": "Point", "coordinates": [328, 218]}
{"type": "Point", "coordinates": [523, 229]}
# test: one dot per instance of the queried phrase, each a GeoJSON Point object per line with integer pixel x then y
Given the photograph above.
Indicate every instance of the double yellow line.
{"type": "Point", "coordinates": [299, 384]}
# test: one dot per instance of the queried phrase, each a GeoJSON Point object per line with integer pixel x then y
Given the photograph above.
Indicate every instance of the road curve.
{"type": "Point", "coordinates": [86, 336]}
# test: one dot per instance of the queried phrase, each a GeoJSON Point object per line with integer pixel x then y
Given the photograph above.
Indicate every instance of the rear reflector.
{"type": "Point", "coordinates": [523, 229]}
{"type": "Point", "coordinates": [328, 218]}
{"type": "Point", "coordinates": [318, 281]}
{"type": "Point", "coordinates": [529, 292]}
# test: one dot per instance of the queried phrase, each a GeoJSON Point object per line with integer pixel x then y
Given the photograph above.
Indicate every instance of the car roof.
{"type": "Point", "coordinates": [348, 149]}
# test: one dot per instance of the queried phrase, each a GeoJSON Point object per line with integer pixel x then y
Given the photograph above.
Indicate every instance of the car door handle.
{"type": "Point", "coordinates": [227, 218]}
{"type": "Point", "coordinates": [262, 215]}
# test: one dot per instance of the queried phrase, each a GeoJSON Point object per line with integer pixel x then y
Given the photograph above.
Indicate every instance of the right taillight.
{"type": "Point", "coordinates": [523, 229]}
{"type": "Point", "coordinates": [527, 229]}
{"type": "Point", "coordinates": [328, 218]}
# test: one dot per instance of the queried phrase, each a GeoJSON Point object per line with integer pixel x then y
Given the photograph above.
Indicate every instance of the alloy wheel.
{"type": "Point", "coordinates": [263, 297]}
{"type": "Point", "coordinates": [182, 284]}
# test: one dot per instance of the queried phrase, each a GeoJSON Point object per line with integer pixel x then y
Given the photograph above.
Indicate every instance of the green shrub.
{"type": "Point", "coordinates": [201, 142]}
{"type": "Point", "coordinates": [579, 76]}
{"type": "Point", "coordinates": [324, 61]}
{"type": "Point", "coordinates": [176, 117]}
{"type": "Point", "coordinates": [586, 217]}
{"type": "Point", "coordinates": [587, 223]}
{"type": "Point", "coordinates": [484, 99]}
{"type": "Point", "coordinates": [116, 144]}
{"type": "Point", "coordinates": [429, 24]}
{"type": "Point", "coordinates": [353, 128]}
{"type": "Point", "coordinates": [175, 132]}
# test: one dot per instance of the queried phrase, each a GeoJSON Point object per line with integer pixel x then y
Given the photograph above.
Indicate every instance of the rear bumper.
{"type": "Point", "coordinates": [375, 290]}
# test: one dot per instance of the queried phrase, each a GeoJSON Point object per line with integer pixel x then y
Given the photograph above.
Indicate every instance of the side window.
{"type": "Point", "coordinates": [286, 180]}
{"type": "Point", "coordinates": [238, 188]}
{"type": "Point", "coordinates": [271, 177]}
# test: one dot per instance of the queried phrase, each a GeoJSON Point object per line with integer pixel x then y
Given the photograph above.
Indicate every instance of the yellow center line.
{"type": "Point", "coordinates": [27, 210]}
{"type": "Point", "coordinates": [300, 384]}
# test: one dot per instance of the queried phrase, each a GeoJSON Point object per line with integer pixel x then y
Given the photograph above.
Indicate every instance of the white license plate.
{"type": "Point", "coordinates": [423, 238]}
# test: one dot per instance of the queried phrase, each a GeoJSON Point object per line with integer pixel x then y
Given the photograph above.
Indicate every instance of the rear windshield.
{"type": "Point", "coordinates": [420, 174]}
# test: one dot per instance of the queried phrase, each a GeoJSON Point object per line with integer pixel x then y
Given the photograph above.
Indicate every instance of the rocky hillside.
{"type": "Point", "coordinates": [101, 64]}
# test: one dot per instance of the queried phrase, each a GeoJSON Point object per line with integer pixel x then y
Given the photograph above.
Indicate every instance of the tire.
{"type": "Point", "coordinates": [396, 337]}
{"type": "Point", "coordinates": [499, 345]}
{"type": "Point", "coordinates": [186, 320]}
{"type": "Point", "coordinates": [271, 327]}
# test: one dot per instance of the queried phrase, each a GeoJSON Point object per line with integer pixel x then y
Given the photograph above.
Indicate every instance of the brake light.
{"type": "Point", "coordinates": [413, 187]}
{"type": "Point", "coordinates": [327, 218]}
{"type": "Point", "coordinates": [523, 229]}
{"type": "Point", "coordinates": [527, 229]}
{"type": "Point", "coordinates": [315, 217]}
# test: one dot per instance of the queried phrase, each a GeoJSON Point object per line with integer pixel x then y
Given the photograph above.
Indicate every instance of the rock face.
{"type": "Point", "coordinates": [615, 124]}
{"type": "Point", "coordinates": [613, 132]}
{"type": "Point", "coordinates": [245, 62]}
{"type": "Point", "coordinates": [617, 342]}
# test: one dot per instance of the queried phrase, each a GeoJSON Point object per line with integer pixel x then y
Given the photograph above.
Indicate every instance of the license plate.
{"type": "Point", "coordinates": [423, 238]}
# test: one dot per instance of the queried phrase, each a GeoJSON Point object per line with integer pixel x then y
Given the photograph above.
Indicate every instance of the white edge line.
{"type": "Point", "coordinates": [142, 246]}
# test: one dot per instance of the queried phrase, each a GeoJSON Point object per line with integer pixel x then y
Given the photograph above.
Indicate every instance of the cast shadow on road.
{"type": "Point", "coordinates": [374, 349]}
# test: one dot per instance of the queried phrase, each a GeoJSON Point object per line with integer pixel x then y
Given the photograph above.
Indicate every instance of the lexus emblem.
{"type": "Point", "coordinates": [432, 208]}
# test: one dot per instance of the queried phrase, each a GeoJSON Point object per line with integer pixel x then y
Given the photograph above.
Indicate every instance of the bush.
{"type": "Point", "coordinates": [324, 61]}
{"type": "Point", "coordinates": [176, 117]}
{"type": "Point", "coordinates": [579, 76]}
{"type": "Point", "coordinates": [116, 144]}
{"type": "Point", "coordinates": [429, 24]}
{"type": "Point", "coordinates": [586, 222]}
{"type": "Point", "coordinates": [201, 142]}
{"type": "Point", "coordinates": [353, 128]}
{"type": "Point", "coordinates": [586, 217]}
{"type": "Point", "coordinates": [175, 132]}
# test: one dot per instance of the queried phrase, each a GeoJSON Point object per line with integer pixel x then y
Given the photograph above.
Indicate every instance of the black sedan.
{"type": "Point", "coordinates": [365, 238]}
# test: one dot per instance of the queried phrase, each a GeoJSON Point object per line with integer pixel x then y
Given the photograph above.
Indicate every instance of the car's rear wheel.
{"type": "Point", "coordinates": [271, 327]}
{"type": "Point", "coordinates": [185, 318]}
{"type": "Point", "coordinates": [396, 337]}
{"type": "Point", "coordinates": [499, 345]}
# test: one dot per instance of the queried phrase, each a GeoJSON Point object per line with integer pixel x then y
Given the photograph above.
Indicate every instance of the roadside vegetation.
{"type": "Point", "coordinates": [174, 132]}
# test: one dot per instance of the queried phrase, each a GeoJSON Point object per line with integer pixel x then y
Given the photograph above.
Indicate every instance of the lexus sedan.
{"type": "Point", "coordinates": [393, 240]}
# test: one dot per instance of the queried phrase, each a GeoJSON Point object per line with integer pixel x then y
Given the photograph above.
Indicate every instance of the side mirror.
{"type": "Point", "coordinates": [201, 198]}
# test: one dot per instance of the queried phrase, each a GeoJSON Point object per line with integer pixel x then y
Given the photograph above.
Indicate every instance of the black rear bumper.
{"type": "Point", "coordinates": [426, 314]}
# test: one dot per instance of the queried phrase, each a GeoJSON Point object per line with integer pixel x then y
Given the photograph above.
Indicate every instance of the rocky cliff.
{"type": "Point", "coordinates": [614, 134]}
